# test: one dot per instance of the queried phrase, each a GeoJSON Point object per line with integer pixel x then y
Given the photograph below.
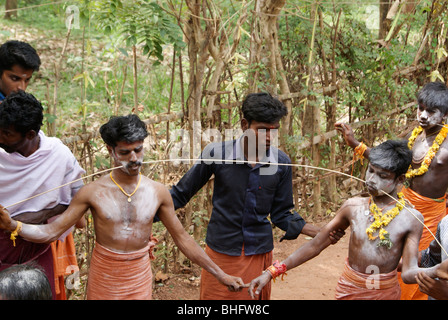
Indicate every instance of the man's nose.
{"type": "Point", "coordinates": [424, 115]}
{"type": "Point", "coordinates": [21, 85]}
{"type": "Point", "coordinates": [133, 157]}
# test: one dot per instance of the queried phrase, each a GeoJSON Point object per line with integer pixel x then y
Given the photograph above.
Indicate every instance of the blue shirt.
{"type": "Point", "coordinates": [243, 198]}
{"type": "Point", "coordinates": [2, 97]}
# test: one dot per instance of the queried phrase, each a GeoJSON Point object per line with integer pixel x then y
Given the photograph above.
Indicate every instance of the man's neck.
{"type": "Point", "coordinates": [385, 199]}
{"type": "Point", "coordinates": [31, 147]}
{"type": "Point", "coordinates": [124, 178]}
{"type": "Point", "coordinates": [433, 130]}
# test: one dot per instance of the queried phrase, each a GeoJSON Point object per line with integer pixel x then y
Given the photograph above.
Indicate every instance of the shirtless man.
{"type": "Point", "coordinates": [426, 186]}
{"type": "Point", "coordinates": [123, 205]}
{"type": "Point", "coordinates": [377, 249]}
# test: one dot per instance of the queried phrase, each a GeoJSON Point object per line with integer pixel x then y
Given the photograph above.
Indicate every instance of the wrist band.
{"type": "Point", "coordinates": [359, 151]}
{"type": "Point", "coordinates": [15, 233]}
{"type": "Point", "coordinates": [358, 155]}
{"type": "Point", "coordinates": [277, 269]}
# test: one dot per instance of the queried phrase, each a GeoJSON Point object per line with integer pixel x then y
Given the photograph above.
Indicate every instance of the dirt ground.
{"type": "Point", "coordinates": [314, 280]}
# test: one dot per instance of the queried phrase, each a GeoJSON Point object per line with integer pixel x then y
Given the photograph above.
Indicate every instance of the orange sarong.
{"type": "Point", "coordinates": [119, 276]}
{"type": "Point", "coordinates": [354, 285]}
{"type": "Point", "coordinates": [433, 210]}
{"type": "Point", "coordinates": [64, 263]}
{"type": "Point", "coordinates": [245, 267]}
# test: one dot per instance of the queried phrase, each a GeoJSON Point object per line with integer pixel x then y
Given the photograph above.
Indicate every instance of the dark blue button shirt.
{"type": "Point", "coordinates": [243, 198]}
{"type": "Point", "coordinates": [2, 97]}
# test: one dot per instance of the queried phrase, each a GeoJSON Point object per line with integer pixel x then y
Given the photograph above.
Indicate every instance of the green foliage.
{"type": "Point", "coordinates": [136, 22]}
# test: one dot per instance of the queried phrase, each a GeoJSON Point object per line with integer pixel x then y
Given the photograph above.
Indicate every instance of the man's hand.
{"type": "Point", "coordinates": [442, 270]}
{"type": "Point", "coordinates": [6, 223]}
{"type": "Point", "coordinates": [336, 235]}
{"type": "Point", "coordinates": [438, 289]}
{"type": "Point", "coordinates": [347, 133]}
{"type": "Point", "coordinates": [234, 284]}
{"type": "Point", "coordinates": [259, 282]}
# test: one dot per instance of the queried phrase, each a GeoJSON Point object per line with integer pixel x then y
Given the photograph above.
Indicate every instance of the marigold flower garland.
{"type": "Point", "coordinates": [441, 136]}
{"type": "Point", "coordinates": [382, 220]}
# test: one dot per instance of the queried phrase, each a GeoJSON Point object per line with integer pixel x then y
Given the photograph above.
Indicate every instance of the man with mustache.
{"type": "Point", "coordinates": [123, 205]}
{"type": "Point", "coordinates": [427, 178]}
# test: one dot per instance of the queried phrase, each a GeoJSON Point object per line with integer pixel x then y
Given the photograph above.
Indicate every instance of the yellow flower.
{"type": "Point", "coordinates": [429, 155]}
{"type": "Point", "coordinates": [382, 220]}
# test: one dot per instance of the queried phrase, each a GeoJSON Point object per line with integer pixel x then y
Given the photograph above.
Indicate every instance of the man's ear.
{"type": "Point", "coordinates": [110, 149]}
{"type": "Point", "coordinates": [244, 124]}
{"type": "Point", "coordinates": [402, 178]}
{"type": "Point", "coordinates": [31, 134]}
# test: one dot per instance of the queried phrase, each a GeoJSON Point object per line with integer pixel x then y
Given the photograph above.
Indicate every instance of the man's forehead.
{"type": "Point", "coordinates": [265, 125]}
{"type": "Point", "coordinates": [20, 72]}
{"type": "Point", "coordinates": [129, 145]}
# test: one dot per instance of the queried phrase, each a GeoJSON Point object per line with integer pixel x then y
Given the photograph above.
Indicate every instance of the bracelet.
{"type": "Point", "coordinates": [277, 269]}
{"type": "Point", "coordinates": [15, 233]}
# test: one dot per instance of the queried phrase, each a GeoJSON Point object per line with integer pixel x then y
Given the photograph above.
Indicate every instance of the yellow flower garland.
{"type": "Point", "coordinates": [382, 220]}
{"type": "Point", "coordinates": [441, 136]}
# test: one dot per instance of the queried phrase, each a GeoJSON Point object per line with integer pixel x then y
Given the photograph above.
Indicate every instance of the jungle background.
{"type": "Point", "coordinates": [180, 63]}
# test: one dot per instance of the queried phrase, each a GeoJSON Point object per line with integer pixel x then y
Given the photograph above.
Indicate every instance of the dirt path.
{"type": "Point", "coordinates": [314, 280]}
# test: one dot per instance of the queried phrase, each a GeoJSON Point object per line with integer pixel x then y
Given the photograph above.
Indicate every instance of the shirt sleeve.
{"type": "Point", "coordinates": [194, 179]}
{"type": "Point", "coordinates": [283, 214]}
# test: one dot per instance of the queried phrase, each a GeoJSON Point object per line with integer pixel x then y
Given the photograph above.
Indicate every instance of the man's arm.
{"type": "Point", "coordinates": [48, 233]}
{"type": "Point", "coordinates": [308, 251]}
{"type": "Point", "coordinates": [41, 216]}
{"type": "Point", "coordinates": [410, 268]}
{"type": "Point", "coordinates": [349, 137]}
{"type": "Point", "coordinates": [187, 244]}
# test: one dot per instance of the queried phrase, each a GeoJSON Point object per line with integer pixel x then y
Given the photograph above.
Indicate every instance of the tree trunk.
{"type": "Point", "coordinates": [10, 5]}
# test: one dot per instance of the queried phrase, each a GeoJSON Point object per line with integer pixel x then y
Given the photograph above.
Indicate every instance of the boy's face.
{"type": "Point", "coordinates": [128, 155]}
{"type": "Point", "coordinates": [265, 133]}
{"type": "Point", "coordinates": [380, 181]}
{"type": "Point", "coordinates": [16, 79]}
{"type": "Point", "coordinates": [429, 118]}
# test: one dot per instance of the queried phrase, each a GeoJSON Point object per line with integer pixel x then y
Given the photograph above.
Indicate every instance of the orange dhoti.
{"type": "Point", "coordinates": [354, 285]}
{"type": "Point", "coordinates": [433, 210]}
{"type": "Point", "coordinates": [245, 267]}
{"type": "Point", "coordinates": [64, 263]}
{"type": "Point", "coordinates": [119, 276]}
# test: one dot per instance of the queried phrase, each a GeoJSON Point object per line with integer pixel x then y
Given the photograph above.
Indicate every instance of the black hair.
{"type": "Point", "coordinates": [392, 155]}
{"type": "Point", "coordinates": [434, 95]}
{"type": "Point", "coordinates": [123, 128]}
{"type": "Point", "coordinates": [263, 107]}
{"type": "Point", "coordinates": [18, 52]}
{"type": "Point", "coordinates": [22, 111]}
{"type": "Point", "coordinates": [24, 282]}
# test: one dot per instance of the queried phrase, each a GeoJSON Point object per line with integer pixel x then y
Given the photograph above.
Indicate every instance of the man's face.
{"type": "Point", "coordinates": [16, 79]}
{"type": "Point", "coordinates": [12, 141]}
{"type": "Point", "coordinates": [265, 133]}
{"type": "Point", "coordinates": [429, 118]}
{"type": "Point", "coordinates": [128, 155]}
{"type": "Point", "coordinates": [380, 181]}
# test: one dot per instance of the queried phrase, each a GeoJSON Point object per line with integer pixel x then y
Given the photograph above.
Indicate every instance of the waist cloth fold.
{"type": "Point", "coordinates": [245, 267]}
{"type": "Point", "coordinates": [119, 276]}
{"type": "Point", "coordinates": [354, 285]}
{"type": "Point", "coordinates": [433, 211]}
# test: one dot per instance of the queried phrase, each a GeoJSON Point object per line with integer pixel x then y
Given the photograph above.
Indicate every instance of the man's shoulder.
{"type": "Point", "coordinates": [282, 157]}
